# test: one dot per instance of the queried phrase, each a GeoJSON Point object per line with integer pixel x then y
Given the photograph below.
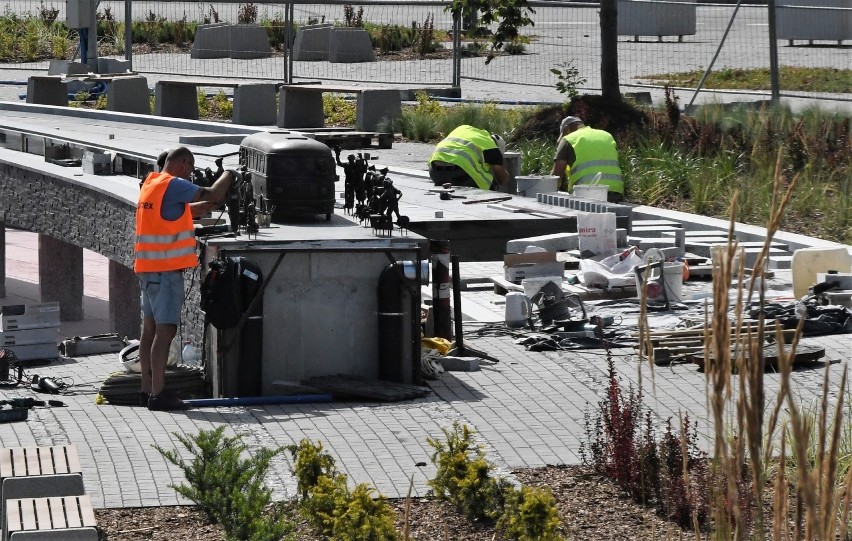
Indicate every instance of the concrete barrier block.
{"type": "Point", "coordinates": [249, 41]}
{"type": "Point", "coordinates": [312, 42]}
{"type": "Point", "coordinates": [349, 45]}
{"type": "Point", "coordinates": [796, 19]}
{"type": "Point", "coordinates": [47, 90]}
{"type": "Point", "coordinates": [642, 18]}
{"type": "Point", "coordinates": [129, 95]}
{"type": "Point", "coordinates": [66, 67]}
{"type": "Point", "coordinates": [113, 65]}
{"type": "Point", "coordinates": [176, 100]}
{"type": "Point", "coordinates": [374, 106]}
{"type": "Point", "coordinates": [212, 41]}
{"type": "Point", "coordinates": [254, 104]}
{"type": "Point", "coordinates": [300, 109]}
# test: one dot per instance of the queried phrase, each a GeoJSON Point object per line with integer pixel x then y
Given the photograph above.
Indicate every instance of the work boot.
{"type": "Point", "coordinates": [166, 401]}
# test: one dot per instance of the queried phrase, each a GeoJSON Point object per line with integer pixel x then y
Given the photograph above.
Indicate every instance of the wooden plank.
{"type": "Point", "coordinates": [19, 462]}
{"type": "Point", "coordinates": [33, 457]}
{"type": "Point", "coordinates": [28, 516]}
{"type": "Point", "coordinates": [72, 459]}
{"type": "Point", "coordinates": [44, 456]}
{"type": "Point", "coordinates": [13, 515]}
{"type": "Point", "coordinates": [6, 469]}
{"type": "Point", "coordinates": [72, 511]}
{"type": "Point", "coordinates": [87, 513]}
{"type": "Point", "coordinates": [43, 515]}
{"type": "Point", "coordinates": [57, 512]}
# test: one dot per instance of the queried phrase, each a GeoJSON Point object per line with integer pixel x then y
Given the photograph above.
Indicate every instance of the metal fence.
{"type": "Point", "coordinates": [728, 36]}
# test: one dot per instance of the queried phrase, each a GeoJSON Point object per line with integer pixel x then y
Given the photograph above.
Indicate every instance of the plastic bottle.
{"type": "Point", "coordinates": [189, 355]}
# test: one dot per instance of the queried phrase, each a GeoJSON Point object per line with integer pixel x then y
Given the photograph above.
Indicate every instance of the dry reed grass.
{"type": "Point", "coordinates": [744, 436]}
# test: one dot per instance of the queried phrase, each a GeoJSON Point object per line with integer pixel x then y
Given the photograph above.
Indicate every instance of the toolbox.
{"type": "Point", "coordinates": [15, 317]}
{"type": "Point", "coordinates": [26, 337]}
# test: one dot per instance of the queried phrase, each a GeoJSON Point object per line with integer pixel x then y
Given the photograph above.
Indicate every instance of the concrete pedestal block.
{"type": "Point", "coordinates": [60, 276]}
{"type": "Point", "coordinates": [300, 109]}
{"type": "Point", "coordinates": [797, 20]}
{"type": "Point", "coordinates": [375, 105]}
{"type": "Point", "coordinates": [254, 104]}
{"type": "Point", "coordinates": [66, 67]}
{"type": "Point", "coordinates": [47, 90]}
{"type": "Point", "coordinates": [642, 18]}
{"type": "Point", "coordinates": [176, 100]}
{"type": "Point", "coordinates": [125, 310]}
{"type": "Point", "coordinates": [348, 45]}
{"type": "Point", "coordinates": [212, 41]}
{"type": "Point", "coordinates": [249, 41]}
{"type": "Point", "coordinates": [113, 65]}
{"type": "Point", "coordinates": [312, 42]}
{"type": "Point", "coordinates": [129, 95]}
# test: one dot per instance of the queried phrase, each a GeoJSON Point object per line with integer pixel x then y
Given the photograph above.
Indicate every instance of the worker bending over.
{"type": "Point", "coordinates": [471, 157]}
{"type": "Point", "coordinates": [583, 152]}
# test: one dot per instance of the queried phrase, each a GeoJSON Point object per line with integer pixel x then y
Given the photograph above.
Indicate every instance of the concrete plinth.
{"type": "Point", "coordinates": [349, 45]}
{"type": "Point", "coordinates": [47, 90]}
{"type": "Point", "coordinates": [376, 105]}
{"type": "Point", "coordinates": [129, 95]}
{"type": "Point", "coordinates": [299, 109]}
{"type": "Point", "coordinates": [112, 65]}
{"type": "Point", "coordinates": [254, 104]}
{"type": "Point", "coordinates": [249, 41]}
{"type": "Point", "coordinates": [66, 67]}
{"type": "Point", "coordinates": [212, 41]}
{"type": "Point", "coordinates": [60, 276]}
{"type": "Point", "coordinates": [176, 100]}
{"type": "Point", "coordinates": [312, 42]}
{"type": "Point", "coordinates": [125, 317]}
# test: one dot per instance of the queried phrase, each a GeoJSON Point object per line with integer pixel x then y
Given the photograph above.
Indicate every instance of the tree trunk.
{"type": "Point", "coordinates": [609, 50]}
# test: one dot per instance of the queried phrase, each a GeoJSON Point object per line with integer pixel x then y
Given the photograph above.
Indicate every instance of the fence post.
{"type": "Point", "coordinates": [774, 81]}
{"type": "Point", "coordinates": [456, 50]}
{"type": "Point", "coordinates": [288, 22]}
{"type": "Point", "coordinates": [128, 32]}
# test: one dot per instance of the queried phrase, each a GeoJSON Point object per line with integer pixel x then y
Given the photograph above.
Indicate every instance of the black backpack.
{"type": "Point", "coordinates": [229, 287]}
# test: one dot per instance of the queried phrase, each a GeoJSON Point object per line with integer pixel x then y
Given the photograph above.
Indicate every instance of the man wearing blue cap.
{"type": "Point", "coordinates": [587, 156]}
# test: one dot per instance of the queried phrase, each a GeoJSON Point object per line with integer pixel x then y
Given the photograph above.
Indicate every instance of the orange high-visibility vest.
{"type": "Point", "coordinates": [162, 245]}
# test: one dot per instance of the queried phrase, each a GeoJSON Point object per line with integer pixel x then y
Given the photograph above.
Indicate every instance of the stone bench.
{"type": "Point", "coordinates": [59, 518]}
{"type": "Point", "coordinates": [300, 106]}
{"type": "Point", "coordinates": [254, 103]}
{"type": "Point", "coordinates": [35, 472]}
{"type": "Point", "coordinates": [126, 93]}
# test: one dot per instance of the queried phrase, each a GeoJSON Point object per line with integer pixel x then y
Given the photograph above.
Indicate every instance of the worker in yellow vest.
{"type": "Point", "coordinates": [471, 157]}
{"type": "Point", "coordinates": [586, 155]}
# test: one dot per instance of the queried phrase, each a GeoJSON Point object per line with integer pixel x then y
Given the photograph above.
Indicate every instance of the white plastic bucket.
{"type": "Point", "coordinates": [672, 281]}
{"type": "Point", "coordinates": [532, 185]}
{"type": "Point", "coordinates": [591, 191]}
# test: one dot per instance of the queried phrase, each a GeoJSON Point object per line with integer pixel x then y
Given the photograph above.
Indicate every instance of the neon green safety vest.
{"type": "Point", "coordinates": [464, 147]}
{"type": "Point", "coordinates": [596, 153]}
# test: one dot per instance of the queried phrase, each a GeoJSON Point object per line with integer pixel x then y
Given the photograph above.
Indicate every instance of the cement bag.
{"type": "Point", "coordinates": [612, 271]}
{"type": "Point", "coordinates": [597, 232]}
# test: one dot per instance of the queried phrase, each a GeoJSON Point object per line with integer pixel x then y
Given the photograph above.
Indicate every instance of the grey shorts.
{"type": "Point", "coordinates": [162, 296]}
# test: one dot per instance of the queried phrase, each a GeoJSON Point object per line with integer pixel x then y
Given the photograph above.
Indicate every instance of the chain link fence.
{"type": "Point", "coordinates": [412, 41]}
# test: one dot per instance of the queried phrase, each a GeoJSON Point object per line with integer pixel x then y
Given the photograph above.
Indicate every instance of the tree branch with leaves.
{"type": "Point", "coordinates": [509, 15]}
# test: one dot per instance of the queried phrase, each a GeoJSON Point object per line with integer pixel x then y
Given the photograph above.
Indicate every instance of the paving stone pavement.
{"type": "Point", "coordinates": [528, 411]}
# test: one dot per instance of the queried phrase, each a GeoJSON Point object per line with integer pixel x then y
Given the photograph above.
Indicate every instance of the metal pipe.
{"type": "Point", "coordinates": [715, 55]}
{"type": "Point", "coordinates": [391, 312]}
{"type": "Point", "coordinates": [457, 311]}
{"type": "Point", "coordinates": [774, 82]}
{"type": "Point", "coordinates": [441, 311]}
{"type": "Point", "coordinates": [258, 400]}
{"type": "Point", "coordinates": [128, 32]}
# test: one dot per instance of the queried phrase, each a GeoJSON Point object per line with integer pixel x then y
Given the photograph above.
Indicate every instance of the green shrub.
{"type": "Point", "coordinates": [464, 476]}
{"type": "Point", "coordinates": [338, 110]}
{"type": "Point", "coordinates": [309, 464]}
{"type": "Point", "coordinates": [365, 518]}
{"type": "Point", "coordinates": [515, 48]}
{"type": "Point", "coordinates": [530, 515]}
{"type": "Point", "coordinates": [228, 489]}
{"type": "Point", "coordinates": [326, 498]}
